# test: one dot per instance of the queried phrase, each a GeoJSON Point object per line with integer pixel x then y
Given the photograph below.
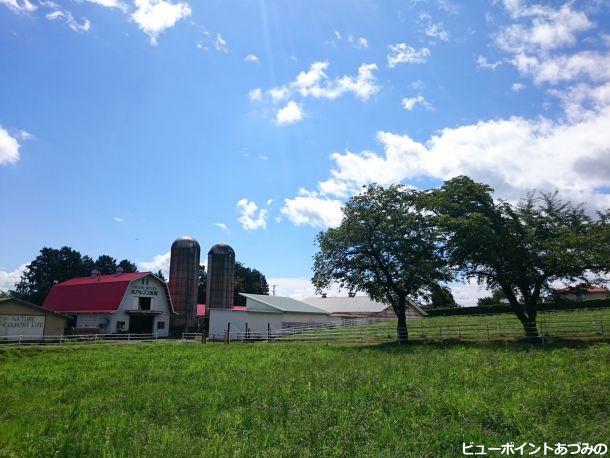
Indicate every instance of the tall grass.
{"type": "Point", "coordinates": [170, 399]}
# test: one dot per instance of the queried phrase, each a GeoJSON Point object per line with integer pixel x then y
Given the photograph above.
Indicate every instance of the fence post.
{"type": "Point", "coordinates": [601, 328]}
{"type": "Point", "coordinates": [488, 338]}
{"type": "Point", "coordinates": [268, 332]}
{"type": "Point", "coordinates": [228, 333]}
{"type": "Point", "coordinates": [440, 333]}
{"type": "Point", "coordinates": [128, 337]}
{"type": "Point", "coordinates": [19, 343]}
{"type": "Point", "coordinates": [95, 339]}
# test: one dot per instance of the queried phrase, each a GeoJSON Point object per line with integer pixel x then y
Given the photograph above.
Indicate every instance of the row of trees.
{"type": "Point", "coordinates": [56, 265]}
{"type": "Point", "coordinates": [53, 266]}
{"type": "Point", "coordinates": [247, 280]}
{"type": "Point", "coordinates": [397, 242]}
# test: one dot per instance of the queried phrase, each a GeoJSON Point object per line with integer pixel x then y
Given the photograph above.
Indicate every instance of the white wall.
{"type": "Point", "coordinates": [148, 286]}
{"type": "Point", "coordinates": [257, 322]}
{"type": "Point", "coordinates": [293, 318]}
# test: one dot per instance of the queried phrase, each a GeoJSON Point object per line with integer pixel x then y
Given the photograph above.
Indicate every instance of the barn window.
{"type": "Point", "coordinates": [144, 303]}
{"type": "Point", "coordinates": [160, 324]}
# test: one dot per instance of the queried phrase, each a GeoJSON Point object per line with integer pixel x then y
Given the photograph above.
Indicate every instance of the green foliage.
{"type": "Point", "coordinates": [518, 248]}
{"type": "Point", "coordinates": [441, 297]}
{"type": "Point", "coordinates": [506, 308]}
{"type": "Point", "coordinates": [218, 400]}
{"type": "Point", "coordinates": [495, 299]}
{"type": "Point", "coordinates": [383, 247]}
{"type": "Point", "coordinates": [53, 266]}
{"type": "Point", "coordinates": [4, 294]}
{"type": "Point", "coordinates": [248, 280]}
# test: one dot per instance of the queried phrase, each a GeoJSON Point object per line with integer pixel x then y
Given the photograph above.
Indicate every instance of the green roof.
{"type": "Point", "coordinates": [285, 304]}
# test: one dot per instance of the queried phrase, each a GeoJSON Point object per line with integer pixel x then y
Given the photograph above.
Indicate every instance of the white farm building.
{"type": "Point", "coordinates": [262, 313]}
{"type": "Point", "coordinates": [361, 307]}
{"type": "Point", "coordinates": [137, 303]}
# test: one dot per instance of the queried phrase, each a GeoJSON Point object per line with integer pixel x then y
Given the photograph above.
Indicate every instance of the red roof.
{"type": "Point", "coordinates": [588, 289]}
{"type": "Point", "coordinates": [241, 308]}
{"type": "Point", "coordinates": [101, 294]}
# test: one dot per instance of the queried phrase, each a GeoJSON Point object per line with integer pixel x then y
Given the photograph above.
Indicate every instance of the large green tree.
{"type": "Point", "coordinates": [248, 280]}
{"type": "Point", "coordinates": [383, 247]}
{"type": "Point", "coordinates": [519, 248]}
{"type": "Point", "coordinates": [441, 297]}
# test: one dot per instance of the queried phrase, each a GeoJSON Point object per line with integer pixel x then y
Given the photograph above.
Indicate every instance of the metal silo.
{"type": "Point", "coordinates": [183, 279]}
{"type": "Point", "coordinates": [221, 277]}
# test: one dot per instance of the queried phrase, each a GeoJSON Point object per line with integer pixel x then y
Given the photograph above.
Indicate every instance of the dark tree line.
{"type": "Point", "coordinates": [53, 266]}
{"type": "Point", "coordinates": [396, 242]}
{"type": "Point", "coordinates": [247, 280]}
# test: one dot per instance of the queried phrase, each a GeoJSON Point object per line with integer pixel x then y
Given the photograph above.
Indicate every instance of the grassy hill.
{"type": "Point", "coordinates": [172, 399]}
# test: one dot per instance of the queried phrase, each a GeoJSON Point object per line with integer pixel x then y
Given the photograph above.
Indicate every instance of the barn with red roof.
{"type": "Point", "coordinates": [137, 303]}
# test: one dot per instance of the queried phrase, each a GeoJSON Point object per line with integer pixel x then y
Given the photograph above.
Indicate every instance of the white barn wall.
{"type": "Point", "coordinates": [257, 322]}
{"type": "Point", "coordinates": [159, 303]}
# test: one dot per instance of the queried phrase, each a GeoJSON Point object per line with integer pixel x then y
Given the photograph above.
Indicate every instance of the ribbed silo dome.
{"type": "Point", "coordinates": [221, 248]}
{"type": "Point", "coordinates": [185, 242]}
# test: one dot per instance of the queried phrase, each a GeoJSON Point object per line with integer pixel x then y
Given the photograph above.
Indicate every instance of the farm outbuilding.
{"type": "Point", "coordinates": [263, 312]}
{"type": "Point", "coordinates": [21, 318]}
{"type": "Point", "coordinates": [137, 303]}
{"type": "Point", "coordinates": [361, 307]}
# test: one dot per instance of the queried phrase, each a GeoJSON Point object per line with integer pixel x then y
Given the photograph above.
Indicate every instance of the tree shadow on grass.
{"type": "Point", "coordinates": [513, 345]}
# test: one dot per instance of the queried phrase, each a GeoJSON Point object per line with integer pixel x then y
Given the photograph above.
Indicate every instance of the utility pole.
{"type": "Point", "coordinates": [273, 290]}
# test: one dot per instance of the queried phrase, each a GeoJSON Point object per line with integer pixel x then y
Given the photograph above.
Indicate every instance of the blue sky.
{"type": "Point", "coordinates": [124, 125]}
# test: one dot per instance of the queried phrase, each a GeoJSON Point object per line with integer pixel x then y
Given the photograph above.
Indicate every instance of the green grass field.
{"type": "Point", "coordinates": [420, 400]}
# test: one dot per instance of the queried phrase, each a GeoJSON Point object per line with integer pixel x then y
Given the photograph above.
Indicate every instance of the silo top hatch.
{"type": "Point", "coordinates": [185, 242]}
{"type": "Point", "coordinates": [221, 248]}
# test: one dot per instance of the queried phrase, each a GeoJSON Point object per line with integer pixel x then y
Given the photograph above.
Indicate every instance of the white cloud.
{"type": "Point", "coordinates": [289, 114]}
{"type": "Point", "coordinates": [546, 28]}
{"type": "Point", "coordinates": [516, 87]}
{"type": "Point", "coordinates": [159, 262]}
{"type": "Point", "coordinates": [508, 154]}
{"type": "Point", "coordinates": [9, 148]}
{"type": "Point", "coordinates": [19, 6]}
{"type": "Point", "coordinates": [110, 4]}
{"type": "Point", "coordinates": [483, 63]}
{"type": "Point", "coordinates": [315, 83]}
{"type": "Point", "coordinates": [221, 44]}
{"type": "Point", "coordinates": [402, 53]}
{"type": "Point", "coordinates": [436, 30]}
{"type": "Point", "coordinates": [154, 16]}
{"type": "Point", "coordinates": [252, 58]}
{"type": "Point", "coordinates": [466, 294]}
{"type": "Point", "coordinates": [70, 21]}
{"type": "Point", "coordinates": [118, 219]}
{"type": "Point", "coordinates": [256, 94]}
{"type": "Point", "coordinates": [221, 226]}
{"type": "Point", "coordinates": [251, 217]}
{"type": "Point", "coordinates": [410, 102]}
{"type": "Point", "coordinates": [9, 278]}
{"type": "Point", "coordinates": [311, 210]}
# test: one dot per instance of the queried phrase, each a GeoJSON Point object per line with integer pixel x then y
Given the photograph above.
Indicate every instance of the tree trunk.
{"type": "Point", "coordinates": [402, 331]}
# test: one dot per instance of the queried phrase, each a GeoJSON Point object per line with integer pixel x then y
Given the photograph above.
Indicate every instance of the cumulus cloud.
{"type": "Point", "coordinates": [159, 262]}
{"type": "Point", "coordinates": [289, 114]}
{"type": "Point", "coordinates": [402, 53]}
{"type": "Point", "coordinates": [509, 154]}
{"type": "Point", "coordinates": [9, 148]}
{"type": "Point", "coordinates": [315, 83]}
{"type": "Point", "coordinates": [251, 216]}
{"type": "Point", "coordinates": [8, 279]}
{"type": "Point", "coordinates": [516, 87]}
{"type": "Point", "coordinates": [155, 16]}
{"type": "Point", "coordinates": [409, 103]}
{"type": "Point", "coordinates": [118, 219]}
{"type": "Point", "coordinates": [309, 209]}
